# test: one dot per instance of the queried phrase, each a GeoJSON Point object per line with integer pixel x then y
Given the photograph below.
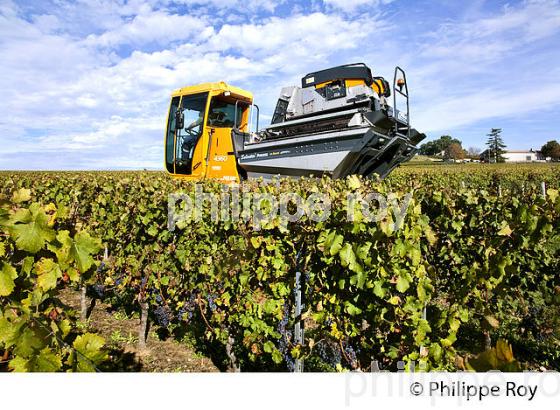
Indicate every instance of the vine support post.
{"type": "Point", "coordinates": [83, 303]}
{"type": "Point", "coordinates": [234, 366]}
{"type": "Point", "coordinates": [425, 317]}
{"type": "Point", "coordinates": [143, 328]}
{"type": "Point", "coordinates": [299, 324]}
{"type": "Point", "coordinates": [487, 340]}
{"type": "Point", "coordinates": [543, 187]}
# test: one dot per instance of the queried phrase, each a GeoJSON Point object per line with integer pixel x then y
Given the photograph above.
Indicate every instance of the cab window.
{"type": "Point", "coordinates": [222, 113]}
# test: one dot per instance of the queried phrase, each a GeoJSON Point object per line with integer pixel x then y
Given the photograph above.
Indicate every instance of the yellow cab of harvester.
{"type": "Point", "coordinates": [202, 147]}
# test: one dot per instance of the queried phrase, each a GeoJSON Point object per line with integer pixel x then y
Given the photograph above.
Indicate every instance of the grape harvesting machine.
{"type": "Point", "coordinates": [339, 123]}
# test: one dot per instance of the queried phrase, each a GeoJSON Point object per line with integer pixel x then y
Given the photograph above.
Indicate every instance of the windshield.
{"type": "Point", "coordinates": [222, 113]}
{"type": "Point", "coordinates": [170, 136]}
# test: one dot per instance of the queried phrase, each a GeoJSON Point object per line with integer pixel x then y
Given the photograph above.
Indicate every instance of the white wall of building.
{"type": "Point", "coordinates": [521, 156]}
{"type": "Point", "coordinates": [516, 156]}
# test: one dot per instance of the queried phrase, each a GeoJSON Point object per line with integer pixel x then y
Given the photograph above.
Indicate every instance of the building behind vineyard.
{"type": "Point", "coordinates": [515, 156]}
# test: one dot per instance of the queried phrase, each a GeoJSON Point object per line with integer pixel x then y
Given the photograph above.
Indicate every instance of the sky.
{"type": "Point", "coordinates": [85, 84]}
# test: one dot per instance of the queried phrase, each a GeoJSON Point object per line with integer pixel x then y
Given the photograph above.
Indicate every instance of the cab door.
{"type": "Point", "coordinates": [189, 145]}
{"type": "Point", "coordinates": [184, 145]}
{"type": "Point", "coordinates": [223, 115]}
{"type": "Point", "coordinates": [222, 163]}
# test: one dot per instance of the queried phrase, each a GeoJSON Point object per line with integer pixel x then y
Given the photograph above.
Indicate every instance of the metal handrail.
{"type": "Point", "coordinates": [251, 117]}
{"type": "Point", "coordinates": [405, 95]}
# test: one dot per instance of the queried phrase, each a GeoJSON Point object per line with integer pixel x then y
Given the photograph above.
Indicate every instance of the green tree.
{"type": "Point", "coordinates": [551, 149]}
{"type": "Point", "coordinates": [437, 146]}
{"type": "Point", "coordinates": [495, 145]}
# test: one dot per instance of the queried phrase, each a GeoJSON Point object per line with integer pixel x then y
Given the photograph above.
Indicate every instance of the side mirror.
{"type": "Point", "coordinates": [179, 120]}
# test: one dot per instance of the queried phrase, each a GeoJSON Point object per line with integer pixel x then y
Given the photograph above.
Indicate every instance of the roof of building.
{"type": "Point", "coordinates": [513, 151]}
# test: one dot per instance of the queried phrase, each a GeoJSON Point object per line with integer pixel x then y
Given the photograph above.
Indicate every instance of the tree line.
{"type": "Point", "coordinates": [451, 148]}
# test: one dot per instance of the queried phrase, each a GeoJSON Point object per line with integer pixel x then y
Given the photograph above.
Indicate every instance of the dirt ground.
{"type": "Point", "coordinates": [121, 335]}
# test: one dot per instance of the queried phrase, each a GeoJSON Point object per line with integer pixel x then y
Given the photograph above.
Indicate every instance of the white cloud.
{"type": "Point", "coordinates": [488, 39]}
{"type": "Point", "coordinates": [537, 19]}
{"type": "Point", "coordinates": [354, 4]}
{"type": "Point", "coordinates": [311, 33]}
{"type": "Point", "coordinates": [239, 6]}
{"type": "Point", "coordinates": [153, 27]}
{"type": "Point", "coordinates": [486, 103]}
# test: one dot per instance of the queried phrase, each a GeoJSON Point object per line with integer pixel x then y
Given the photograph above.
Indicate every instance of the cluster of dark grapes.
{"type": "Point", "coordinates": [350, 355]}
{"type": "Point", "coordinates": [188, 308]}
{"type": "Point", "coordinates": [329, 352]}
{"type": "Point", "coordinates": [120, 279]}
{"type": "Point", "coordinates": [220, 286]}
{"type": "Point", "coordinates": [96, 291]}
{"type": "Point", "coordinates": [162, 316]}
{"type": "Point", "coordinates": [153, 293]}
{"type": "Point", "coordinates": [211, 301]}
{"type": "Point", "coordinates": [286, 336]}
{"type": "Point", "coordinates": [181, 314]}
{"type": "Point", "coordinates": [530, 323]}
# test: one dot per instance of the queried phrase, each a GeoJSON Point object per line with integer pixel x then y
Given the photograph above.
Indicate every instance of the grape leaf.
{"type": "Point", "coordinates": [402, 284]}
{"type": "Point", "coordinates": [7, 276]}
{"type": "Point", "coordinates": [48, 272]}
{"type": "Point", "coordinates": [8, 332]}
{"type": "Point", "coordinates": [552, 194]}
{"type": "Point", "coordinates": [21, 195]}
{"type": "Point", "coordinates": [352, 309]}
{"type": "Point", "coordinates": [31, 229]}
{"type": "Point", "coordinates": [19, 364]}
{"type": "Point", "coordinates": [354, 182]}
{"type": "Point", "coordinates": [336, 245]}
{"type": "Point", "coordinates": [492, 321]}
{"type": "Point", "coordinates": [46, 361]}
{"type": "Point", "coordinates": [347, 255]}
{"type": "Point", "coordinates": [378, 289]}
{"type": "Point", "coordinates": [90, 353]}
{"type": "Point", "coordinates": [505, 230]}
{"type": "Point", "coordinates": [28, 343]}
{"type": "Point", "coordinates": [78, 250]}
{"type": "Point", "coordinates": [504, 351]}
{"type": "Point", "coordinates": [277, 356]}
